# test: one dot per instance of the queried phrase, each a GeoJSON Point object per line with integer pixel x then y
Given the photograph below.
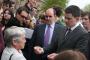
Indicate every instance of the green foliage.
{"type": "Point", "coordinates": [87, 8]}
{"type": "Point", "coordinates": [50, 3]}
{"type": "Point", "coordinates": [22, 0]}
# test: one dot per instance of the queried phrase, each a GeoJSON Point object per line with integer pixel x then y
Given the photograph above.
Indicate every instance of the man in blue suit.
{"type": "Point", "coordinates": [40, 35]}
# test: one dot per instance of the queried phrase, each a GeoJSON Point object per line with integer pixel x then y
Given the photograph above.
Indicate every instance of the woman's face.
{"type": "Point", "coordinates": [7, 15]}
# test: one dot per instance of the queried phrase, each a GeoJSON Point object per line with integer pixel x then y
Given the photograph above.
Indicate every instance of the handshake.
{"type": "Point", "coordinates": [40, 50]}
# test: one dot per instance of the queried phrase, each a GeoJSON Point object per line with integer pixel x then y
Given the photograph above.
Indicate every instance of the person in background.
{"type": "Point", "coordinates": [29, 24]}
{"type": "Point", "coordinates": [1, 11]}
{"type": "Point", "coordinates": [70, 55]}
{"type": "Point", "coordinates": [41, 19]}
{"type": "Point", "coordinates": [58, 12]}
{"type": "Point", "coordinates": [12, 6]}
{"type": "Point", "coordinates": [21, 16]}
{"type": "Point", "coordinates": [1, 32]}
{"type": "Point", "coordinates": [7, 16]}
{"type": "Point", "coordinates": [6, 4]}
{"type": "Point", "coordinates": [86, 23]}
{"type": "Point", "coordinates": [31, 7]}
{"type": "Point", "coordinates": [15, 41]}
{"type": "Point", "coordinates": [2, 45]}
{"type": "Point", "coordinates": [86, 20]}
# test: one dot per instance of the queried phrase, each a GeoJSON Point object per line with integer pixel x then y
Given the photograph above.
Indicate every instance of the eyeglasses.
{"type": "Point", "coordinates": [26, 18]}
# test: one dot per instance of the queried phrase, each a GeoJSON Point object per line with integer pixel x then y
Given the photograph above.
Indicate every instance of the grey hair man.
{"type": "Point", "coordinates": [15, 41]}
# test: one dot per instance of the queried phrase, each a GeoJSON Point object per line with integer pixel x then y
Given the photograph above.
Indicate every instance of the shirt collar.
{"type": "Point", "coordinates": [52, 25]}
{"type": "Point", "coordinates": [74, 26]}
{"type": "Point", "coordinates": [14, 50]}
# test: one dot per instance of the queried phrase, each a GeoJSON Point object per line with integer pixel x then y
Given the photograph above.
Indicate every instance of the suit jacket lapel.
{"type": "Point", "coordinates": [57, 30]}
{"type": "Point", "coordinates": [62, 40]}
{"type": "Point", "coordinates": [73, 33]}
{"type": "Point", "coordinates": [54, 34]}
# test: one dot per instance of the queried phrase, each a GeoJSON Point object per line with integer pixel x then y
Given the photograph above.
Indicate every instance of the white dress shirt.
{"type": "Point", "coordinates": [17, 55]}
{"type": "Point", "coordinates": [80, 23]}
{"type": "Point", "coordinates": [75, 26]}
{"type": "Point", "coordinates": [51, 31]}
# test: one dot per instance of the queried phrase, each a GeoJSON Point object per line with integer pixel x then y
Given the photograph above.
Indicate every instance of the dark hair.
{"type": "Point", "coordinates": [57, 10]}
{"type": "Point", "coordinates": [85, 14]}
{"type": "Point", "coordinates": [0, 4]}
{"type": "Point", "coordinates": [5, 3]}
{"type": "Point", "coordinates": [70, 55]}
{"type": "Point", "coordinates": [10, 12]}
{"type": "Point", "coordinates": [42, 16]}
{"type": "Point", "coordinates": [74, 10]}
{"type": "Point", "coordinates": [20, 9]}
{"type": "Point", "coordinates": [8, 3]}
{"type": "Point", "coordinates": [11, 2]}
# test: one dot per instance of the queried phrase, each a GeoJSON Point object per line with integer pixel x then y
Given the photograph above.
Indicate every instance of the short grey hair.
{"type": "Point", "coordinates": [13, 32]}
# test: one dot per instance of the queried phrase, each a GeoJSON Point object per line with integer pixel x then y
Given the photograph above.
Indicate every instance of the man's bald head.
{"type": "Point", "coordinates": [50, 16]}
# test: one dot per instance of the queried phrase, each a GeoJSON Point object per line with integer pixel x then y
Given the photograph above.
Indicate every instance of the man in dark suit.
{"type": "Point", "coordinates": [39, 36]}
{"type": "Point", "coordinates": [75, 38]}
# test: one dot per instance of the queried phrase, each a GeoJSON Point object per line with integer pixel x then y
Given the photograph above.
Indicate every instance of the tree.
{"type": "Point", "coordinates": [45, 4]}
{"type": "Point", "coordinates": [87, 8]}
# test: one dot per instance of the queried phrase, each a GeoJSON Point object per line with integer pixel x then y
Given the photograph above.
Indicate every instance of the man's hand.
{"type": "Point", "coordinates": [38, 50]}
{"type": "Point", "coordinates": [52, 56]}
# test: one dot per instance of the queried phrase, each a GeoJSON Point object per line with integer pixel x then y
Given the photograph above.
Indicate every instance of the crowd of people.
{"type": "Point", "coordinates": [26, 36]}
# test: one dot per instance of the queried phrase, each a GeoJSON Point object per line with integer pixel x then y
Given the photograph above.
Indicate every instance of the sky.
{"type": "Point", "coordinates": [79, 3]}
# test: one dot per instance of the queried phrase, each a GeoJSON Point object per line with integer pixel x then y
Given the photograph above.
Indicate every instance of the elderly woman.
{"type": "Point", "coordinates": [15, 41]}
